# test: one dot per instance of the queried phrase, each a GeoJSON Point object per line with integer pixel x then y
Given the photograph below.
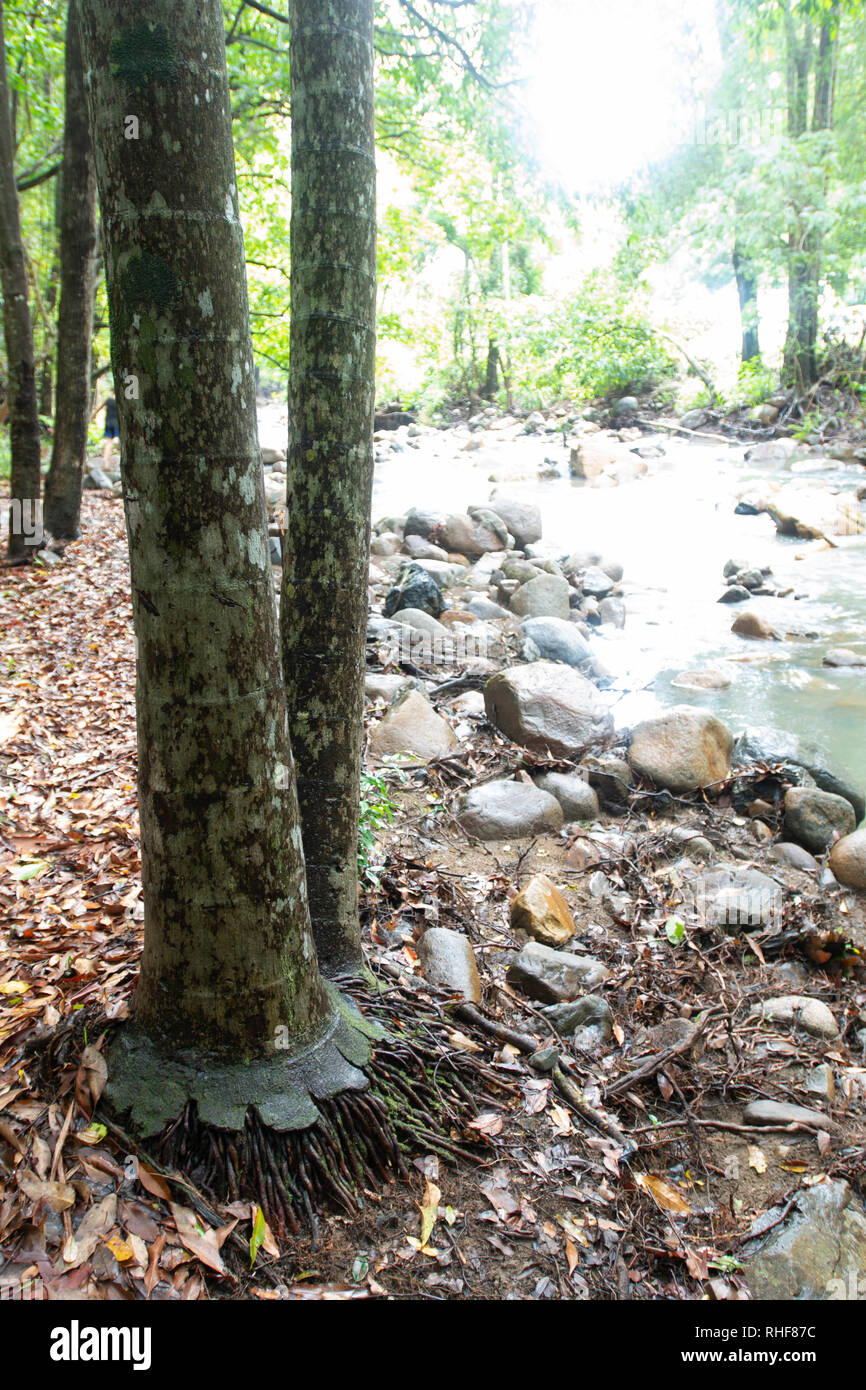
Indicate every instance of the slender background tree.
{"type": "Point", "coordinates": [25, 480]}
{"type": "Point", "coordinates": [78, 233]}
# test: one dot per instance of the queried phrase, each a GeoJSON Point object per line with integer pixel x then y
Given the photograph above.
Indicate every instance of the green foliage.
{"type": "Point", "coordinates": [595, 343]}
{"type": "Point", "coordinates": [755, 382]}
{"type": "Point", "coordinates": [377, 811]}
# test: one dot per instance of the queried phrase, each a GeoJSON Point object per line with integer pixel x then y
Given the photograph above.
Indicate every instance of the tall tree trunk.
{"type": "Point", "coordinates": [747, 290]}
{"type": "Point", "coordinates": [18, 332]}
{"type": "Point", "coordinates": [805, 243]}
{"type": "Point", "coordinates": [491, 375]}
{"type": "Point", "coordinates": [78, 223]}
{"type": "Point", "coordinates": [229, 959]}
{"type": "Point", "coordinates": [323, 618]}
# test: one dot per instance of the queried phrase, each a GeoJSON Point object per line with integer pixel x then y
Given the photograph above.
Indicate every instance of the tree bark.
{"type": "Point", "coordinates": [78, 230]}
{"type": "Point", "coordinates": [805, 243]}
{"type": "Point", "coordinates": [491, 375]}
{"type": "Point", "coordinates": [228, 952]}
{"type": "Point", "coordinates": [323, 617]}
{"type": "Point", "coordinates": [747, 290]}
{"type": "Point", "coordinates": [24, 440]}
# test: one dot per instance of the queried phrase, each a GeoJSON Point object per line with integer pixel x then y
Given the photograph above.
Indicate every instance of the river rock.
{"type": "Point", "coordinates": [447, 959]}
{"type": "Point", "coordinates": [554, 639]}
{"type": "Point", "coordinates": [612, 610]}
{"type": "Point", "coordinates": [593, 454]}
{"type": "Point", "coordinates": [774, 1112]}
{"type": "Point", "coordinates": [421, 523]}
{"type": "Point", "coordinates": [486, 608]}
{"type": "Point", "coordinates": [841, 656]}
{"type": "Point", "coordinates": [772, 451]}
{"type": "Point", "coordinates": [611, 779]}
{"type": "Point", "coordinates": [737, 899]}
{"type": "Point", "coordinates": [771, 746]}
{"type": "Point", "coordinates": [811, 514]}
{"type": "Point", "coordinates": [547, 707]}
{"type": "Point", "coordinates": [589, 1020]}
{"type": "Point", "coordinates": [381, 685]}
{"type": "Point", "coordinates": [506, 810]}
{"type": "Point", "coordinates": [419, 621]}
{"type": "Point", "coordinates": [626, 405]}
{"type": "Point", "coordinates": [275, 489]}
{"type": "Point", "coordinates": [420, 548]}
{"type": "Point", "coordinates": [818, 1253]}
{"type": "Point", "coordinates": [764, 414]}
{"type": "Point", "coordinates": [596, 582]}
{"type": "Point", "coordinates": [751, 625]}
{"type": "Point", "coordinates": [415, 588]}
{"type": "Point", "coordinates": [413, 726]}
{"type": "Point", "coordinates": [541, 910]}
{"type": "Point", "coordinates": [735, 593]}
{"type": "Point", "coordinates": [848, 859]}
{"type": "Point", "coordinates": [694, 419]}
{"type": "Point", "coordinates": [472, 538]}
{"type": "Point", "coordinates": [815, 819]}
{"type": "Point", "coordinates": [522, 519]}
{"type": "Point", "coordinates": [799, 1010]}
{"type": "Point", "coordinates": [385, 544]}
{"type": "Point", "coordinates": [703, 678]}
{"type": "Point", "coordinates": [545, 596]}
{"type": "Point", "coordinates": [573, 792]}
{"type": "Point", "coordinates": [552, 977]}
{"type": "Point", "coordinates": [682, 749]}
{"type": "Point", "coordinates": [786, 852]}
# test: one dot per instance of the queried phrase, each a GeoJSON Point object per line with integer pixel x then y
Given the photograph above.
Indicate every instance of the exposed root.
{"type": "Point", "coordinates": [293, 1176]}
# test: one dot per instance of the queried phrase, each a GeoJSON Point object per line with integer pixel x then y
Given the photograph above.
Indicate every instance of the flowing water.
{"type": "Point", "coordinates": [673, 530]}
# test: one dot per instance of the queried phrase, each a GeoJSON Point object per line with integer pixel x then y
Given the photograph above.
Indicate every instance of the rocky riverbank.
{"type": "Point", "coordinates": [669, 904]}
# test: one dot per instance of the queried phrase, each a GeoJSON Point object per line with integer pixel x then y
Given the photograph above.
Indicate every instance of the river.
{"type": "Point", "coordinates": [673, 530]}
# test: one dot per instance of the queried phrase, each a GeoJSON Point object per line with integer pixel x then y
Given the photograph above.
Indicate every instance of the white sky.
{"type": "Point", "coordinates": [615, 84]}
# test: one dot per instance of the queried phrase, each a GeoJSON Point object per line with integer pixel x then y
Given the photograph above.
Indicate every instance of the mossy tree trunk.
{"type": "Point", "coordinates": [78, 226]}
{"type": "Point", "coordinates": [323, 616]}
{"type": "Point", "coordinates": [24, 484]}
{"type": "Point", "coordinates": [228, 955]}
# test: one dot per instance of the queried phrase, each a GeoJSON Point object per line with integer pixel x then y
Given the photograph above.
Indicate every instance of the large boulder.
{"type": "Point", "coordinates": [682, 749]}
{"type": "Point", "coordinates": [522, 519]}
{"type": "Point", "coordinates": [547, 708]}
{"type": "Point", "coordinates": [815, 819]}
{"type": "Point", "coordinates": [413, 726]}
{"type": "Point", "coordinates": [415, 588]}
{"type": "Point", "coordinates": [848, 859]}
{"type": "Point", "coordinates": [541, 910]}
{"type": "Point", "coordinates": [545, 596]}
{"type": "Point", "coordinates": [508, 810]}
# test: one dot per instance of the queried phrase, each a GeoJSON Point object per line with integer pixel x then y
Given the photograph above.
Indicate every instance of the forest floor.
{"type": "Point", "coordinates": [626, 1172]}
